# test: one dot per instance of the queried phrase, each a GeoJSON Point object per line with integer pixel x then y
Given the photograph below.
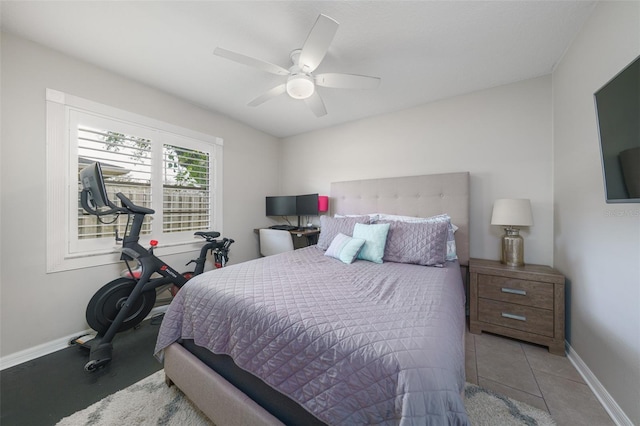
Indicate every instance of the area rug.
{"type": "Point", "coordinates": [152, 402]}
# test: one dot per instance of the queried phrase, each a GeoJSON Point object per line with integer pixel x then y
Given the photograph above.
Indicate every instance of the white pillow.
{"type": "Point", "coordinates": [372, 216]}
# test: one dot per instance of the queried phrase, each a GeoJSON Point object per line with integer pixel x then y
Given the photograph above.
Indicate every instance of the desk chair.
{"type": "Point", "coordinates": [274, 241]}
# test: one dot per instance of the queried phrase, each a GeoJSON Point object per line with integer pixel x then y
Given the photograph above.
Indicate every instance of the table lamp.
{"type": "Point", "coordinates": [512, 213]}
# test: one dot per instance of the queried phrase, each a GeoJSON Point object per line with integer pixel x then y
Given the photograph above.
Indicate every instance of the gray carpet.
{"type": "Point", "coordinates": [151, 402]}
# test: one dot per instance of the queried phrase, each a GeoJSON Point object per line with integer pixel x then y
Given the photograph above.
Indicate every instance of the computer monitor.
{"type": "Point", "coordinates": [292, 205]}
{"type": "Point", "coordinates": [93, 182]}
{"type": "Point", "coordinates": [281, 206]}
{"type": "Point", "coordinates": [307, 205]}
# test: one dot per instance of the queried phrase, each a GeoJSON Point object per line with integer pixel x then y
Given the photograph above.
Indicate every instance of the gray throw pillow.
{"type": "Point", "coordinates": [332, 226]}
{"type": "Point", "coordinates": [421, 243]}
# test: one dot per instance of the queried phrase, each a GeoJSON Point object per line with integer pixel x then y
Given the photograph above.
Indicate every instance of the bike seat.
{"type": "Point", "coordinates": [207, 234]}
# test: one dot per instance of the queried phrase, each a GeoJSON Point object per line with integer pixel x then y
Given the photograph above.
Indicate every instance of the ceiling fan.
{"type": "Point", "coordinates": [301, 82]}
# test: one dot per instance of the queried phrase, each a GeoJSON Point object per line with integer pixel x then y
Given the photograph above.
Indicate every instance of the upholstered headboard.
{"type": "Point", "coordinates": [421, 196]}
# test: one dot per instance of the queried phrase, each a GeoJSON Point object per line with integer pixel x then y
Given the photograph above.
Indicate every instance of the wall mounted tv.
{"type": "Point", "coordinates": [618, 115]}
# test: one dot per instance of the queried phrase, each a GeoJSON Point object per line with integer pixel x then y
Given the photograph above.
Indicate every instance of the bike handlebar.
{"type": "Point", "coordinates": [128, 206]}
{"type": "Point", "coordinates": [132, 207]}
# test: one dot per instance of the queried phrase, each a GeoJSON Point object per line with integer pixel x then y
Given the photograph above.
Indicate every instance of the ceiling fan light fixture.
{"type": "Point", "coordinates": [300, 86]}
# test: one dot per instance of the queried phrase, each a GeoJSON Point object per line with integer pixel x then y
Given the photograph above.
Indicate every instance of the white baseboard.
{"type": "Point", "coordinates": [38, 351]}
{"type": "Point", "coordinates": [612, 408]}
{"type": "Point", "coordinates": [53, 346]}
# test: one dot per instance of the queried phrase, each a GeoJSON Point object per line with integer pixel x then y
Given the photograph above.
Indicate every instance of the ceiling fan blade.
{"type": "Point", "coordinates": [347, 81]}
{"type": "Point", "coordinates": [317, 43]}
{"type": "Point", "coordinates": [315, 104]}
{"type": "Point", "coordinates": [252, 62]}
{"type": "Point", "coordinates": [270, 94]}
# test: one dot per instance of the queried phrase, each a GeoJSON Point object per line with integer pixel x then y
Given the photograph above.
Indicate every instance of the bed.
{"type": "Point", "coordinates": [304, 338]}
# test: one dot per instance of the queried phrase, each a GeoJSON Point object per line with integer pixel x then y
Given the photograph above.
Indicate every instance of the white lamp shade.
{"type": "Point", "coordinates": [512, 212]}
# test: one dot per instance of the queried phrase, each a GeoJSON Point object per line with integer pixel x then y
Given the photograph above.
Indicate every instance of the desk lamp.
{"type": "Point", "coordinates": [512, 213]}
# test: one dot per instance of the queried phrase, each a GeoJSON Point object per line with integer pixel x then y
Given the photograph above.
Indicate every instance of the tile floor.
{"type": "Point", "coordinates": [529, 373]}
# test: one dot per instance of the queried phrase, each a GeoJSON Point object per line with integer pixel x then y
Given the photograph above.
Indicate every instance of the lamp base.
{"type": "Point", "coordinates": [512, 248]}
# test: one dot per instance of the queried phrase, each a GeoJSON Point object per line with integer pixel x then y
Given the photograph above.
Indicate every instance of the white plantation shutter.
{"type": "Point", "coordinates": [186, 182]}
{"type": "Point", "coordinates": [125, 157]}
{"type": "Point", "coordinates": [174, 171]}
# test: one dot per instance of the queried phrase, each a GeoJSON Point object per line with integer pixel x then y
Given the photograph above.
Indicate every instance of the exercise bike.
{"type": "Point", "coordinates": [126, 301]}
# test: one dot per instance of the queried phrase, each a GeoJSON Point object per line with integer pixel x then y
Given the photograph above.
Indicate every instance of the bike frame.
{"type": "Point", "coordinates": [219, 249]}
{"type": "Point", "coordinates": [132, 250]}
{"type": "Point", "coordinates": [101, 348]}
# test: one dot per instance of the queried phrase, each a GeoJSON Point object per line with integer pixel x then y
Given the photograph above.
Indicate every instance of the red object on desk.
{"type": "Point", "coordinates": [323, 203]}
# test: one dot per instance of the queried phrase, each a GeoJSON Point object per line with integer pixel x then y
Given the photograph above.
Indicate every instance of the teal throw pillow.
{"type": "Point", "coordinates": [375, 237]}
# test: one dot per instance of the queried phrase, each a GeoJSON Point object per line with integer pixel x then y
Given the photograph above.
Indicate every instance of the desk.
{"type": "Point", "coordinates": [311, 236]}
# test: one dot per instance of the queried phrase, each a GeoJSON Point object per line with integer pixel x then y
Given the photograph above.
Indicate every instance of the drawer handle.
{"type": "Point", "coordinates": [514, 291]}
{"type": "Point", "coordinates": [515, 317]}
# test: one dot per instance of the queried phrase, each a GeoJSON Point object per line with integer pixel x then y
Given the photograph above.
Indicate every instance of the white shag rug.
{"type": "Point", "coordinates": [152, 402]}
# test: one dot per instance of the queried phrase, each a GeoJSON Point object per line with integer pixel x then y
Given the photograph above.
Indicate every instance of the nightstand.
{"type": "Point", "coordinates": [524, 302]}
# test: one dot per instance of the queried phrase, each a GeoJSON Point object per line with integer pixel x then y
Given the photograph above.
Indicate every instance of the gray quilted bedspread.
{"type": "Point", "coordinates": [354, 344]}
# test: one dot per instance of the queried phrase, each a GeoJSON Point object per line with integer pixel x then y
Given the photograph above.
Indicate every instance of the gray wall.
{"type": "Point", "coordinates": [501, 135]}
{"type": "Point", "coordinates": [597, 245]}
{"type": "Point", "coordinates": [37, 307]}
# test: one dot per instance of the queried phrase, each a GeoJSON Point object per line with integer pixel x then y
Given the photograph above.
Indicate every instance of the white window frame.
{"type": "Point", "coordinates": [62, 251]}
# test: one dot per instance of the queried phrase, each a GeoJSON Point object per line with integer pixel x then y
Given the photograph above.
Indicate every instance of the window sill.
{"type": "Point", "coordinates": [112, 256]}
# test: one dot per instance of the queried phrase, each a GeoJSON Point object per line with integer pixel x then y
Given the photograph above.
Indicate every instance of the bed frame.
{"type": "Point", "coordinates": [423, 196]}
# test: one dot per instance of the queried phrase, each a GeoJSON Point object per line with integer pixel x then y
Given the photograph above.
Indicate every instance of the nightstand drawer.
{"type": "Point", "coordinates": [532, 320]}
{"type": "Point", "coordinates": [512, 290]}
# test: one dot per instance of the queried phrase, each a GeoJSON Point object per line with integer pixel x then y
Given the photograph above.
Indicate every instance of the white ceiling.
{"type": "Point", "coordinates": [422, 50]}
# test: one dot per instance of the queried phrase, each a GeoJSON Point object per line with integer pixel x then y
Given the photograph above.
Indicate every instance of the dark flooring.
{"type": "Point", "coordinates": [49, 388]}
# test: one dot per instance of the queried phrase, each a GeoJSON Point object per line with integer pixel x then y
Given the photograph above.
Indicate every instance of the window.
{"type": "Point", "coordinates": [174, 171]}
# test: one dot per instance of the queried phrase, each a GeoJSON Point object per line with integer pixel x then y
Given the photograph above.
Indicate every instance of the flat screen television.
{"type": "Point", "coordinates": [618, 115]}
{"type": "Point", "coordinates": [281, 206]}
